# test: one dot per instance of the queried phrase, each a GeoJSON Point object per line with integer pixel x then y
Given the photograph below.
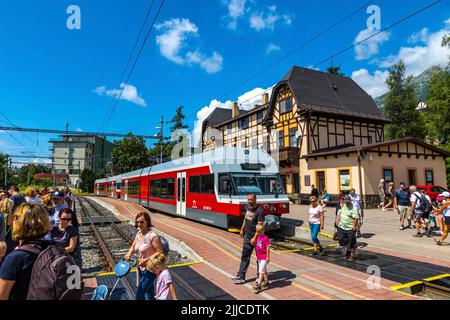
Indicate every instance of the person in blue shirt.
{"type": "Point", "coordinates": [401, 205]}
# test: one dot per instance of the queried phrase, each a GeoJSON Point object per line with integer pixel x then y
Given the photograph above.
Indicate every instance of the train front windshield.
{"type": "Point", "coordinates": [258, 184]}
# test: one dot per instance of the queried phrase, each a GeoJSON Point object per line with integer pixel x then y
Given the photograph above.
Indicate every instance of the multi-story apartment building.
{"type": "Point", "coordinates": [74, 153]}
{"type": "Point", "coordinates": [327, 131]}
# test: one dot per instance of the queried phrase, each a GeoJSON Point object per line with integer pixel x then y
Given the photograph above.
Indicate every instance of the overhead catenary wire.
{"type": "Point", "coordinates": [360, 42]}
{"type": "Point", "coordinates": [291, 52]}
{"type": "Point", "coordinates": [129, 60]}
{"type": "Point", "coordinates": [134, 64]}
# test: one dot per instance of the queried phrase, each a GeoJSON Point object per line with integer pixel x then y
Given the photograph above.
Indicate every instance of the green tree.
{"type": "Point", "coordinates": [177, 120]}
{"type": "Point", "coordinates": [446, 40]}
{"type": "Point", "coordinates": [4, 161]}
{"type": "Point", "coordinates": [88, 178]}
{"type": "Point", "coordinates": [437, 113]}
{"type": "Point", "coordinates": [129, 154]}
{"type": "Point", "coordinates": [400, 106]}
{"type": "Point", "coordinates": [335, 70]}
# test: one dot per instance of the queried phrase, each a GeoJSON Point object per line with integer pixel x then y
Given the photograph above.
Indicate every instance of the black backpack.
{"type": "Point", "coordinates": [425, 206]}
{"type": "Point", "coordinates": [50, 278]}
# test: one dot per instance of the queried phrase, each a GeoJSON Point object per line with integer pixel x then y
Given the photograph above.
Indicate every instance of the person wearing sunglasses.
{"type": "Point", "coordinates": [148, 244]}
{"type": "Point", "coordinates": [65, 235]}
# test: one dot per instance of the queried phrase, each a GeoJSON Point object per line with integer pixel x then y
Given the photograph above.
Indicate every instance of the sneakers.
{"type": "Point", "coordinates": [238, 280]}
{"type": "Point", "coordinates": [321, 251]}
{"type": "Point", "coordinates": [418, 235]}
{"type": "Point", "coordinates": [358, 234]}
{"type": "Point", "coordinates": [257, 288]}
{"type": "Point", "coordinates": [265, 285]}
{"type": "Point", "coordinates": [402, 228]}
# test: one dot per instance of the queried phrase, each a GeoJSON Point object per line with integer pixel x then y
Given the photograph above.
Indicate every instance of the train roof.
{"type": "Point", "coordinates": [230, 158]}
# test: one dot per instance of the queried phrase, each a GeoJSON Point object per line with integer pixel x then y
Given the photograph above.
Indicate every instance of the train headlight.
{"type": "Point", "coordinates": [273, 208]}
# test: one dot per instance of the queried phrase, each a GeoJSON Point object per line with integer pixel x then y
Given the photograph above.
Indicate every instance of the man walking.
{"type": "Point", "coordinates": [401, 203]}
{"type": "Point", "coordinates": [254, 215]}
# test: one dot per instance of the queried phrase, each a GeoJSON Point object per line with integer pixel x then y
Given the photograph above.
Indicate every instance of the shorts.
{"type": "Point", "coordinates": [381, 196]}
{"type": "Point", "coordinates": [417, 215]}
{"type": "Point", "coordinates": [447, 220]}
{"type": "Point", "coordinates": [404, 212]}
{"type": "Point", "coordinates": [262, 266]}
{"type": "Point", "coordinates": [360, 217]}
{"type": "Point", "coordinates": [347, 238]}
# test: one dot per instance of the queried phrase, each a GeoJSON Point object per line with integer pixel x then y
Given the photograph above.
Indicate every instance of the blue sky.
{"type": "Point", "coordinates": [196, 53]}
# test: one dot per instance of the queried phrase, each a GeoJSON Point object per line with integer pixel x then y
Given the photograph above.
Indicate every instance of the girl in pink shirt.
{"type": "Point", "coordinates": [262, 249]}
{"type": "Point", "coordinates": [164, 289]}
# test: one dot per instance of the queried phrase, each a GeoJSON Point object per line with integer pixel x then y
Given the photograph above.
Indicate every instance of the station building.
{"type": "Point", "coordinates": [326, 131]}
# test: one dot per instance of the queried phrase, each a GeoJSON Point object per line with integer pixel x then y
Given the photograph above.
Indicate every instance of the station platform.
{"type": "Point", "coordinates": [189, 285]}
{"type": "Point", "coordinates": [296, 275]}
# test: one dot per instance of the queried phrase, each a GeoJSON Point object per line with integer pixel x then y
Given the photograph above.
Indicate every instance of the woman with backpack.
{"type": "Point", "coordinates": [30, 225]}
{"type": "Point", "coordinates": [148, 244]}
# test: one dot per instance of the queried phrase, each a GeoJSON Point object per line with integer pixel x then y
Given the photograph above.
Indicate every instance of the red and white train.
{"type": "Point", "coordinates": [210, 187]}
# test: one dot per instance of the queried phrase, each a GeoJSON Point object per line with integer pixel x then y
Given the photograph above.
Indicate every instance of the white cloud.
{"type": "Point", "coordinates": [374, 85]}
{"type": "Point", "coordinates": [79, 130]}
{"type": "Point", "coordinates": [272, 47]}
{"type": "Point", "coordinates": [174, 39]}
{"type": "Point", "coordinates": [246, 102]}
{"type": "Point", "coordinates": [130, 93]}
{"type": "Point", "coordinates": [420, 36]}
{"type": "Point", "coordinates": [416, 58]}
{"type": "Point", "coordinates": [236, 9]}
{"type": "Point", "coordinates": [260, 20]}
{"type": "Point", "coordinates": [419, 58]}
{"type": "Point", "coordinates": [369, 47]}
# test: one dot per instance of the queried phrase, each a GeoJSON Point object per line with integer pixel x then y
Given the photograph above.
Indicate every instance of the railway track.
{"type": "Point", "coordinates": [114, 241]}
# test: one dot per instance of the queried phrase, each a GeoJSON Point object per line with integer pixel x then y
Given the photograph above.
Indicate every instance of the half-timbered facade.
{"type": "Point", "coordinates": [309, 114]}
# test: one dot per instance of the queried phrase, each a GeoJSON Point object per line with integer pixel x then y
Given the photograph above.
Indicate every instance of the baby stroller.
{"type": "Point", "coordinates": [121, 269]}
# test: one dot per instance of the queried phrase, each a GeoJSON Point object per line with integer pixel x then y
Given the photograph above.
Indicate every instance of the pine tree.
{"type": "Point", "coordinates": [335, 70]}
{"type": "Point", "coordinates": [400, 106]}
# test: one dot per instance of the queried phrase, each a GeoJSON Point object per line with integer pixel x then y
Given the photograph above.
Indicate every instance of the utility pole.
{"type": "Point", "coordinates": [6, 171]}
{"type": "Point", "coordinates": [161, 138]}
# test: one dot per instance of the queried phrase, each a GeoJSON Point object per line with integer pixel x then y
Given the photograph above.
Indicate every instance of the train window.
{"type": "Point", "coordinates": [119, 185]}
{"type": "Point", "coordinates": [170, 188]}
{"type": "Point", "coordinates": [133, 188]}
{"type": "Point", "coordinates": [224, 183]}
{"type": "Point", "coordinates": [207, 183]}
{"type": "Point", "coordinates": [155, 188]}
{"type": "Point", "coordinates": [194, 184]}
{"type": "Point", "coordinates": [163, 188]}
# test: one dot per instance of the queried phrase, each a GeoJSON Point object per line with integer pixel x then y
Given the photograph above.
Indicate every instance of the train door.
{"type": "Point", "coordinates": [126, 190]}
{"type": "Point", "coordinates": [181, 193]}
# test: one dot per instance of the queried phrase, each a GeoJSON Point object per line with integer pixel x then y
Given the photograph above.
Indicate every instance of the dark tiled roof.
{"type": "Point", "coordinates": [243, 113]}
{"type": "Point", "coordinates": [219, 115]}
{"type": "Point", "coordinates": [329, 93]}
{"type": "Point", "coordinates": [368, 147]}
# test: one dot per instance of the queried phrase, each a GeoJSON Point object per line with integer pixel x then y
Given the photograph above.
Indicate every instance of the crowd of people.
{"type": "Point", "coordinates": [47, 218]}
{"type": "Point", "coordinates": [36, 218]}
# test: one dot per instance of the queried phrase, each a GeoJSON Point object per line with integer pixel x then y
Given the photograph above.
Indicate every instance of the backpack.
{"type": "Point", "coordinates": [50, 278]}
{"type": "Point", "coordinates": [425, 205]}
{"type": "Point", "coordinates": [165, 245]}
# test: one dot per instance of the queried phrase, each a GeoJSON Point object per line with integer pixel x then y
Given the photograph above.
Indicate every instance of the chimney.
{"type": "Point", "coordinates": [265, 98]}
{"type": "Point", "coordinates": [234, 110]}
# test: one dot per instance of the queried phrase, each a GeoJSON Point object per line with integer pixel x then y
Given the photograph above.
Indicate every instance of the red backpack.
{"type": "Point", "coordinates": [50, 277]}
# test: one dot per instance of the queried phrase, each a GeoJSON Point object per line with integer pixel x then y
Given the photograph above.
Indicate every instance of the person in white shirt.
{"type": "Point", "coordinates": [419, 215]}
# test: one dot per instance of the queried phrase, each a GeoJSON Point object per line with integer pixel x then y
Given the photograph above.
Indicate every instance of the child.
{"type": "Point", "coordinates": [2, 250]}
{"type": "Point", "coordinates": [262, 249]}
{"type": "Point", "coordinates": [164, 289]}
